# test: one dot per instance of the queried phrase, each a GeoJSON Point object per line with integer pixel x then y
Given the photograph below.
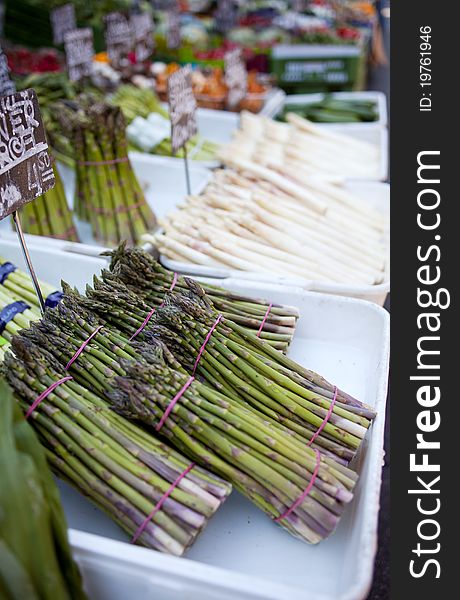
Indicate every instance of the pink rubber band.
{"type": "Point", "coordinates": [46, 393]}
{"type": "Point", "coordinates": [96, 163]}
{"type": "Point", "coordinates": [200, 353]}
{"type": "Point", "coordinates": [264, 319]}
{"type": "Point", "coordinates": [82, 347]}
{"type": "Point", "coordinates": [307, 490]}
{"type": "Point", "coordinates": [326, 418]}
{"type": "Point", "coordinates": [146, 320]}
{"type": "Point", "coordinates": [160, 503]}
{"type": "Point", "coordinates": [172, 404]}
{"type": "Point", "coordinates": [173, 285]}
{"type": "Point", "coordinates": [149, 316]}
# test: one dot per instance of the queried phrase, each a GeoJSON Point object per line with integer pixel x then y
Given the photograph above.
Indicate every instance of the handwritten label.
{"type": "Point", "coordinates": [25, 164]}
{"type": "Point", "coordinates": [226, 15]}
{"type": "Point", "coordinates": [62, 21]}
{"type": "Point", "coordinates": [7, 86]}
{"type": "Point", "coordinates": [118, 37]}
{"type": "Point", "coordinates": [182, 107]}
{"type": "Point", "coordinates": [173, 37]}
{"type": "Point", "coordinates": [236, 77]}
{"type": "Point", "coordinates": [79, 52]}
{"type": "Point", "coordinates": [142, 29]}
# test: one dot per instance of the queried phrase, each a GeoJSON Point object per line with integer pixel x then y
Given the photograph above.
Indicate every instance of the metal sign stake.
{"type": "Point", "coordinates": [29, 264]}
{"type": "Point", "coordinates": [187, 174]}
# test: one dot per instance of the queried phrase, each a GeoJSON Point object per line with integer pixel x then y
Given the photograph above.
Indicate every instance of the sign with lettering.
{"type": "Point", "coordinates": [25, 165]}
{"type": "Point", "coordinates": [118, 37]}
{"type": "Point", "coordinates": [62, 20]}
{"type": "Point", "coordinates": [225, 16]}
{"type": "Point", "coordinates": [173, 37]}
{"type": "Point", "coordinates": [79, 52]}
{"type": "Point", "coordinates": [236, 77]}
{"type": "Point", "coordinates": [7, 86]}
{"type": "Point", "coordinates": [182, 108]}
{"type": "Point", "coordinates": [142, 29]}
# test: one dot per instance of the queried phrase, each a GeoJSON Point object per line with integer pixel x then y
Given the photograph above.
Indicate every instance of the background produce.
{"type": "Point", "coordinates": [334, 110]}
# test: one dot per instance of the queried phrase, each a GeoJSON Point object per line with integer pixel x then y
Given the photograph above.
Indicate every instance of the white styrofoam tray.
{"type": "Point", "coordinates": [377, 97]}
{"type": "Point", "coordinates": [242, 554]}
{"type": "Point", "coordinates": [377, 194]}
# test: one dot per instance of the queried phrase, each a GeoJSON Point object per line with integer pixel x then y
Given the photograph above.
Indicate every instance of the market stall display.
{"type": "Point", "coordinates": [152, 394]}
{"type": "Point", "coordinates": [346, 339]}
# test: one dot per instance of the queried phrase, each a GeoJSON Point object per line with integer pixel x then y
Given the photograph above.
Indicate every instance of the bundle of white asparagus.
{"type": "Point", "coordinates": [299, 146]}
{"type": "Point", "coordinates": [253, 219]}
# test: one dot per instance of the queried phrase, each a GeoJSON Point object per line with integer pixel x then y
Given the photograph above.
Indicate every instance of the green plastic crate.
{"type": "Point", "coordinates": [316, 67]}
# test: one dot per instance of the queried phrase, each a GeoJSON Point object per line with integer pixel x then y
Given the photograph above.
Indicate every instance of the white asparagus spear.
{"type": "Point", "coordinates": [306, 125]}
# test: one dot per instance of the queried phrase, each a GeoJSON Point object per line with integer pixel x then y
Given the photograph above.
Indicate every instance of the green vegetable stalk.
{"type": "Point", "coordinates": [35, 557]}
{"type": "Point", "coordinates": [108, 194]}
{"type": "Point", "coordinates": [49, 215]}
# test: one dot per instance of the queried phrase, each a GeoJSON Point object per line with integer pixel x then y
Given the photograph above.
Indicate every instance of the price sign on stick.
{"type": "Point", "coordinates": [7, 86]}
{"type": "Point", "coordinates": [25, 164]}
{"type": "Point", "coordinates": [62, 20]}
{"type": "Point", "coordinates": [226, 15]}
{"type": "Point", "coordinates": [142, 28]}
{"type": "Point", "coordinates": [118, 37]}
{"type": "Point", "coordinates": [173, 37]}
{"type": "Point", "coordinates": [236, 77]}
{"type": "Point", "coordinates": [79, 52]}
{"type": "Point", "coordinates": [182, 112]}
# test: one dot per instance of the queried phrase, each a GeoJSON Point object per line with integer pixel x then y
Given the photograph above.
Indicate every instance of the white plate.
{"type": "Point", "coordinates": [242, 554]}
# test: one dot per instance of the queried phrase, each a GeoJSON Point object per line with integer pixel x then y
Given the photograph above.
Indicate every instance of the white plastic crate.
{"type": "Point", "coordinates": [242, 553]}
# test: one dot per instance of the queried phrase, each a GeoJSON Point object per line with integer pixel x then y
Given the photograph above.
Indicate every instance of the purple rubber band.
{"type": "Point", "coordinates": [46, 393]}
{"type": "Point", "coordinates": [82, 347]}
{"type": "Point", "coordinates": [264, 319]}
{"type": "Point", "coordinates": [160, 503]}
{"type": "Point", "coordinates": [326, 418]}
{"type": "Point", "coordinates": [200, 353]}
{"type": "Point", "coordinates": [305, 493]}
{"type": "Point", "coordinates": [172, 403]}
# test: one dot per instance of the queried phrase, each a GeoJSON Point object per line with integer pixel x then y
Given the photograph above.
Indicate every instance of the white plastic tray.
{"type": "Point", "coordinates": [377, 97]}
{"type": "Point", "coordinates": [377, 194]}
{"type": "Point", "coordinates": [242, 554]}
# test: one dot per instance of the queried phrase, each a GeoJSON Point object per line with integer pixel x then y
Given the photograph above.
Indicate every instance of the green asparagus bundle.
{"type": "Point", "coordinates": [261, 459]}
{"type": "Point", "coordinates": [108, 194]}
{"type": "Point", "coordinates": [117, 465]}
{"type": "Point", "coordinates": [147, 278]}
{"type": "Point", "coordinates": [35, 557]}
{"type": "Point", "coordinates": [49, 215]}
{"type": "Point", "coordinates": [246, 369]}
